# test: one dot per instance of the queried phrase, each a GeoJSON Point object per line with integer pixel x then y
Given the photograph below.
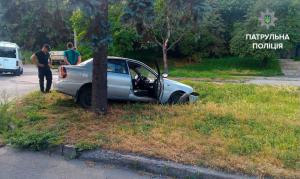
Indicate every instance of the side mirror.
{"type": "Point", "coordinates": [165, 75]}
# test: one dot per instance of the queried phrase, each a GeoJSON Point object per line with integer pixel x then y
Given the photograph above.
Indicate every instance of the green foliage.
{"type": "Point", "coordinates": [210, 42]}
{"type": "Point", "coordinates": [85, 145]}
{"type": "Point", "coordinates": [33, 116]}
{"type": "Point", "coordinates": [33, 140]}
{"type": "Point", "coordinates": [33, 23]}
{"type": "Point", "coordinates": [124, 37]}
{"type": "Point", "coordinates": [288, 22]}
{"type": "Point", "coordinates": [80, 23]}
{"type": "Point", "coordinates": [5, 118]}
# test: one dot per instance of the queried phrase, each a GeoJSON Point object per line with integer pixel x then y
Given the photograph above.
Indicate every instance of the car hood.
{"type": "Point", "coordinates": [179, 86]}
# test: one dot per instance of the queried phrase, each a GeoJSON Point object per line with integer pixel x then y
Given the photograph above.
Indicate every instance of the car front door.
{"type": "Point", "coordinates": [159, 84]}
{"type": "Point", "coordinates": [118, 79]}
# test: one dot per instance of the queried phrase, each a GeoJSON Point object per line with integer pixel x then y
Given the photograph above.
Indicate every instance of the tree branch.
{"type": "Point", "coordinates": [178, 40]}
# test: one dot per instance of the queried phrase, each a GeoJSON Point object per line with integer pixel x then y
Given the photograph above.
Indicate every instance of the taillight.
{"type": "Point", "coordinates": [62, 72]}
{"type": "Point", "coordinates": [17, 63]}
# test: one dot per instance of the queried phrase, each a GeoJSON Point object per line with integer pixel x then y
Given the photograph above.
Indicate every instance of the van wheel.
{"type": "Point", "coordinates": [18, 72]}
{"type": "Point", "coordinates": [85, 97]}
{"type": "Point", "coordinates": [174, 99]}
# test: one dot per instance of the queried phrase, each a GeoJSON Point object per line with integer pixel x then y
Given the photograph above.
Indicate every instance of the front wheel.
{"type": "Point", "coordinates": [85, 97]}
{"type": "Point", "coordinates": [175, 97]}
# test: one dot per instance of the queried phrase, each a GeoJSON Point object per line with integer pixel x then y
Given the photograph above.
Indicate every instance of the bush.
{"type": "Point", "coordinates": [5, 118]}
{"type": "Point", "coordinates": [33, 140]}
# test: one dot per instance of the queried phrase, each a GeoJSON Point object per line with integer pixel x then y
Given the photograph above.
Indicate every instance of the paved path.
{"type": "Point", "coordinates": [16, 164]}
{"type": "Point", "coordinates": [276, 81]}
{"type": "Point", "coordinates": [290, 67]}
{"type": "Point", "coordinates": [17, 86]}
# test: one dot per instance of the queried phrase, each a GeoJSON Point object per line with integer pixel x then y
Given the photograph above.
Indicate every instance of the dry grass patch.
{"type": "Point", "coordinates": [243, 128]}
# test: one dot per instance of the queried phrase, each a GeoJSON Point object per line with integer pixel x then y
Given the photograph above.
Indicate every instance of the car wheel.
{"type": "Point", "coordinates": [175, 97]}
{"type": "Point", "coordinates": [85, 97]}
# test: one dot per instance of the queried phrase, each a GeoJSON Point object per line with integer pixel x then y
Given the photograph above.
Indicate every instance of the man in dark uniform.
{"type": "Point", "coordinates": [43, 62]}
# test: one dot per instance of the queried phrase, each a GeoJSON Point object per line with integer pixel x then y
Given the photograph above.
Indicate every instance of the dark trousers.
{"type": "Point", "coordinates": [45, 73]}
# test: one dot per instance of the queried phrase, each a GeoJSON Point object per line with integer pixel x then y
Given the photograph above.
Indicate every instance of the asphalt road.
{"type": "Point", "coordinates": [15, 164]}
{"type": "Point", "coordinates": [17, 86]}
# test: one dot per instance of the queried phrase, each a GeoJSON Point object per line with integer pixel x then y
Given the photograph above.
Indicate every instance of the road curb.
{"type": "Point", "coordinates": [160, 167]}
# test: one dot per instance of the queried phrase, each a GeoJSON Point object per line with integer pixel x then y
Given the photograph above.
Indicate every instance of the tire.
{"type": "Point", "coordinates": [85, 97]}
{"type": "Point", "coordinates": [174, 99]}
{"type": "Point", "coordinates": [18, 72]}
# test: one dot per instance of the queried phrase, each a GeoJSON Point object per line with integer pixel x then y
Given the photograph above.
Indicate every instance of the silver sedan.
{"type": "Point", "coordinates": [128, 79]}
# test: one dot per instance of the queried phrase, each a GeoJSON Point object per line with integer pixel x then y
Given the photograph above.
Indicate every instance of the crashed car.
{"type": "Point", "coordinates": [127, 79]}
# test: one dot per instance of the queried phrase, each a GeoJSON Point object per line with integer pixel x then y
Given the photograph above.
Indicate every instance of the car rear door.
{"type": "Point", "coordinates": [118, 79]}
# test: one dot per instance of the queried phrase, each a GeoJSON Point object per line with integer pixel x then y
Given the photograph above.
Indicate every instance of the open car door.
{"type": "Point", "coordinates": [159, 84]}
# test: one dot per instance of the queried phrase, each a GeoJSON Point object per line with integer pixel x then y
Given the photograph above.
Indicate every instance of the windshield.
{"type": "Point", "coordinates": [8, 52]}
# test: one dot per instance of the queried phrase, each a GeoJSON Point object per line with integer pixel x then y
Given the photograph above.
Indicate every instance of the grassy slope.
{"type": "Point", "coordinates": [246, 128]}
{"type": "Point", "coordinates": [228, 67]}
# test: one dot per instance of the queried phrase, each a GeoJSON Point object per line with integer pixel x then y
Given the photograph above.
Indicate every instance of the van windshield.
{"type": "Point", "coordinates": [8, 52]}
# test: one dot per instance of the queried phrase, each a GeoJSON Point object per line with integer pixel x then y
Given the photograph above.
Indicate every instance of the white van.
{"type": "Point", "coordinates": [10, 58]}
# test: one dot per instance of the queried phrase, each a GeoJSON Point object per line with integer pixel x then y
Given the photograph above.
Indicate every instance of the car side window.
{"type": "Point", "coordinates": [117, 66]}
{"type": "Point", "coordinates": [146, 73]}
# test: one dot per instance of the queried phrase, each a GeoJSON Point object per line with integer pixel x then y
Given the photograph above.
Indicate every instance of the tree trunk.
{"type": "Point", "coordinates": [99, 87]}
{"type": "Point", "coordinates": [165, 58]}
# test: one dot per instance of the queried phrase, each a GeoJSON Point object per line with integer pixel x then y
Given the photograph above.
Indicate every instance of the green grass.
{"type": "Point", "coordinates": [229, 67]}
{"type": "Point", "coordinates": [235, 127]}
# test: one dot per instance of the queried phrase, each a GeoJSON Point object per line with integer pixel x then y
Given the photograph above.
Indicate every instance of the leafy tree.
{"type": "Point", "coordinates": [209, 41]}
{"type": "Point", "coordinates": [233, 11]}
{"type": "Point", "coordinates": [166, 22]}
{"type": "Point", "coordinates": [288, 22]}
{"type": "Point", "coordinates": [32, 23]}
{"type": "Point", "coordinates": [80, 23]}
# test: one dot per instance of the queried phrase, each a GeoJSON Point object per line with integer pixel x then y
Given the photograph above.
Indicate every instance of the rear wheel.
{"type": "Point", "coordinates": [18, 72]}
{"type": "Point", "coordinates": [85, 97]}
{"type": "Point", "coordinates": [175, 97]}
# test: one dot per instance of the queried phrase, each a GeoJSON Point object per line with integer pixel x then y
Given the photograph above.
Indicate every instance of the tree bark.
{"type": "Point", "coordinates": [99, 87]}
{"type": "Point", "coordinates": [165, 58]}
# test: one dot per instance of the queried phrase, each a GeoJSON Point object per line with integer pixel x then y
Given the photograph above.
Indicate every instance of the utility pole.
{"type": "Point", "coordinates": [75, 39]}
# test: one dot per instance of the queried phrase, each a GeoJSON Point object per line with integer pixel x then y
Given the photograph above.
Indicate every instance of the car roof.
{"type": "Point", "coordinates": [119, 58]}
{"type": "Point", "coordinates": [125, 59]}
{"type": "Point", "coordinates": [8, 44]}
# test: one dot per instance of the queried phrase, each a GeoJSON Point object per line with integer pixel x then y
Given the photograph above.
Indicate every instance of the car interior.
{"type": "Point", "coordinates": [144, 81]}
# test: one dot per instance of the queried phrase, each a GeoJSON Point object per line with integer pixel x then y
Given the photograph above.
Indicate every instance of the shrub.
{"type": "Point", "coordinates": [33, 140]}
{"type": "Point", "coordinates": [5, 118]}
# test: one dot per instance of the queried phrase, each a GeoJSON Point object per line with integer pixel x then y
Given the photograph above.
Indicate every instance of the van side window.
{"type": "Point", "coordinates": [20, 54]}
{"type": "Point", "coordinates": [117, 66]}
